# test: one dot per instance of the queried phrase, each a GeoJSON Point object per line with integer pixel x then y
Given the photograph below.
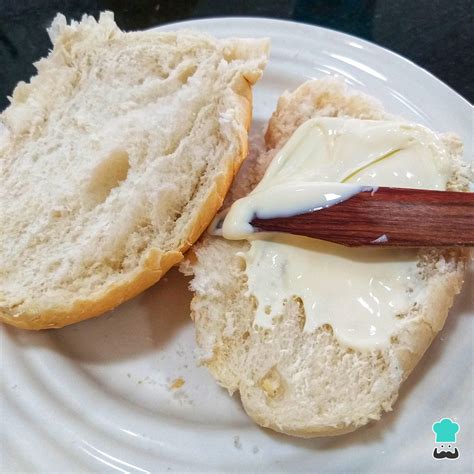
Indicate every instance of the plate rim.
{"type": "Point", "coordinates": [263, 19]}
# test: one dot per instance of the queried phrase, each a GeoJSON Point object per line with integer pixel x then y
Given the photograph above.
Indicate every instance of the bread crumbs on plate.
{"type": "Point", "coordinates": [177, 383]}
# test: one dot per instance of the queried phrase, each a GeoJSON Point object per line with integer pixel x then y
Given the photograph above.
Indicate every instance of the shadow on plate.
{"type": "Point", "coordinates": [147, 323]}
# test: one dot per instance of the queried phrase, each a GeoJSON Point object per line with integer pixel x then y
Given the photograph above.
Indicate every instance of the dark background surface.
{"type": "Point", "coordinates": [435, 34]}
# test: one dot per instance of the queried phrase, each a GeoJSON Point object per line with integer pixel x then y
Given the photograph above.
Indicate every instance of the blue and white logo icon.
{"type": "Point", "coordinates": [445, 431]}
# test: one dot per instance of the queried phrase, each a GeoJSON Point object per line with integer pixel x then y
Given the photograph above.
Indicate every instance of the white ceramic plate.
{"type": "Point", "coordinates": [97, 396]}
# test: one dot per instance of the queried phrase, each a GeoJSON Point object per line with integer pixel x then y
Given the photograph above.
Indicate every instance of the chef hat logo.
{"type": "Point", "coordinates": [445, 431]}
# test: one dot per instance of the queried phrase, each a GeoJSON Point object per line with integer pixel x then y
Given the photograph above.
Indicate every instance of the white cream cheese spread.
{"type": "Point", "coordinates": [358, 292]}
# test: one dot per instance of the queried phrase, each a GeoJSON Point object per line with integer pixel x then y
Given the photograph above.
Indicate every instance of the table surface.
{"type": "Point", "coordinates": [435, 34]}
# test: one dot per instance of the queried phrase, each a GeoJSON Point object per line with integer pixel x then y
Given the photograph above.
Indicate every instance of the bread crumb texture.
{"type": "Point", "coordinates": [114, 158]}
{"type": "Point", "coordinates": [300, 383]}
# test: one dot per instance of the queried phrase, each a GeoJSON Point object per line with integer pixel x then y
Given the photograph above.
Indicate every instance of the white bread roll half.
{"type": "Point", "coordinates": [302, 383]}
{"type": "Point", "coordinates": [115, 157]}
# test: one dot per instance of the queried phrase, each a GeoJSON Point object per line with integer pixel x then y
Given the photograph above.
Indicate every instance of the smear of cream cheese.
{"type": "Point", "coordinates": [359, 292]}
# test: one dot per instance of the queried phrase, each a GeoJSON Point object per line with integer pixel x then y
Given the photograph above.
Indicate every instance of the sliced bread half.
{"type": "Point", "coordinates": [300, 383]}
{"type": "Point", "coordinates": [114, 159]}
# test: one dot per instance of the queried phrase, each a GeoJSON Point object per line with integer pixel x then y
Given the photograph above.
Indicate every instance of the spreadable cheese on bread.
{"type": "Point", "coordinates": [289, 379]}
{"type": "Point", "coordinates": [332, 281]}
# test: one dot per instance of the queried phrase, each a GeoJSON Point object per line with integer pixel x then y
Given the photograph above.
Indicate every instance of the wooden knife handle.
{"type": "Point", "coordinates": [396, 217]}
